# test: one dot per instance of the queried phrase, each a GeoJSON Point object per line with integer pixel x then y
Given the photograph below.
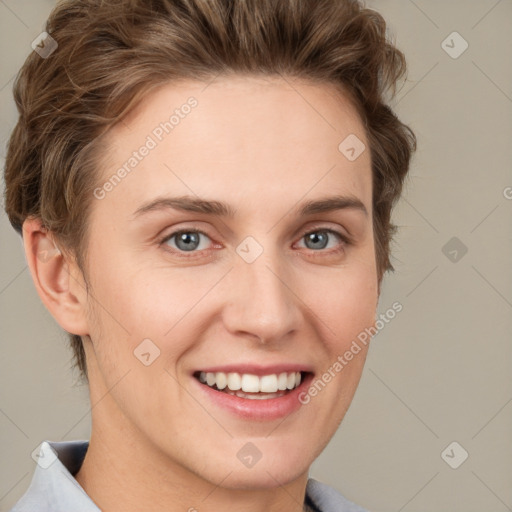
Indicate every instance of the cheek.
{"type": "Point", "coordinates": [149, 303]}
{"type": "Point", "coordinates": [131, 292]}
{"type": "Point", "coordinates": [345, 303]}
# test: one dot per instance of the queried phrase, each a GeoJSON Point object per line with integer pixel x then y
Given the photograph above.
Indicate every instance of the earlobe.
{"type": "Point", "coordinates": [57, 279]}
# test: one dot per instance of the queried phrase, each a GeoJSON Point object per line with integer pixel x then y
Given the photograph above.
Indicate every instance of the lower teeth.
{"type": "Point", "coordinates": [251, 396]}
{"type": "Point", "coordinates": [254, 396]}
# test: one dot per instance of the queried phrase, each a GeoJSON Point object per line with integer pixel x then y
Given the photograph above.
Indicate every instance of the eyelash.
{"type": "Point", "coordinates": [346, 241]}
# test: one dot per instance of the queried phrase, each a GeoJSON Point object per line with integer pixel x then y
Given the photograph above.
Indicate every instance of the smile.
{"type": "Point", "coordinates": [253, 392]}
{"type": "Point", "coordinates": [250, 386]}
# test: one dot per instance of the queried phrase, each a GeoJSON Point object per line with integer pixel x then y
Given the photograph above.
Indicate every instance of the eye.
{"type": "Point", "coordinates": [319, 239]}
{"type": "Point", "coordinates": [185, 240]}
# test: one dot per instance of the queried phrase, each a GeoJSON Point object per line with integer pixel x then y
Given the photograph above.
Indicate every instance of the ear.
{"type": "Point", "coordinates": [57, 278]}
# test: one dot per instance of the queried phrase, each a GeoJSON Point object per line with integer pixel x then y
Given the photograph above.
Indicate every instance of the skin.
{"type": "Point", "coordinates": [264, 146]}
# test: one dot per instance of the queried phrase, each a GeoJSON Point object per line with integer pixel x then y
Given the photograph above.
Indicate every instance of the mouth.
{"type": "Point", "coordinates": [254, 392]}
{"type": "Point", "coordinates": [253, 387]}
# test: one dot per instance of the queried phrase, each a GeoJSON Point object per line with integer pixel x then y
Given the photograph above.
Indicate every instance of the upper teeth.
{"type": "Point", "coordinates": [251, 383]}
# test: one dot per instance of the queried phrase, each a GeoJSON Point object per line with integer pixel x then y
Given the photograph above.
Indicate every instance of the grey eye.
{"type": "Point", "coordinates": [186, 240]}
{"type": "Point", "coordinates": [318, 239]}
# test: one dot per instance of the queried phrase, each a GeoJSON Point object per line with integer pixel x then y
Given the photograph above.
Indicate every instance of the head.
{"type": "Point", "coordinates": [246, 111]}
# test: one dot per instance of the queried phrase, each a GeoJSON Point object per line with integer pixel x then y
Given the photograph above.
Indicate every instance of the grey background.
{"type": "Point", "coordinates": [440, 371]}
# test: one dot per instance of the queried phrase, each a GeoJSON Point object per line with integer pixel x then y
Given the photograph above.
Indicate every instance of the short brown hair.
{"type": "Point", "coordinates": [111, 53]}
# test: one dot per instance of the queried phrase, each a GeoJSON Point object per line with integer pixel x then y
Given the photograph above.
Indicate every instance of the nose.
{"type": "Point", "coordinates": [261, 301]}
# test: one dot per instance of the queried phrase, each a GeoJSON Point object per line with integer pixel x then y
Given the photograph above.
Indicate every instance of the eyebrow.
{"type": "Point", "coordinates": [220, 209]}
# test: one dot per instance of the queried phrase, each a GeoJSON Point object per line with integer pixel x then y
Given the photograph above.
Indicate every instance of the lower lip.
{"type": "Point", "coordinates": [254, 409]}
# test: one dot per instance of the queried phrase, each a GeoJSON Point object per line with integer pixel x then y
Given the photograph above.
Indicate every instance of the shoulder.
{"type": "Point", "coordinates": [327, 499]}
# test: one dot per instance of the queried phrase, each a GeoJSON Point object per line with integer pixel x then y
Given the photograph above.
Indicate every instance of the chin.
{"type": "Point", "coordinates": [263, 477]}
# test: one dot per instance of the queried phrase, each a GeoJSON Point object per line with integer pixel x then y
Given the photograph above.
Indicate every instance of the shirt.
{"type": "Point", "coordinates": [54, 489]}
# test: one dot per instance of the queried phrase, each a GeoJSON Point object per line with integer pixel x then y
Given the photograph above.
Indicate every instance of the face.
{"type": "Point", "coordinates": [252, 278]}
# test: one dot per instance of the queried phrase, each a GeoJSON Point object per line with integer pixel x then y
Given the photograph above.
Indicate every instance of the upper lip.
{"type": "Point", "coordinates": [255, 369]}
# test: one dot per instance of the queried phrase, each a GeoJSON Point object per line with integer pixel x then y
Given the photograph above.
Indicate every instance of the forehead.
{"type": "Point", "coordinates": [249, 138]}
